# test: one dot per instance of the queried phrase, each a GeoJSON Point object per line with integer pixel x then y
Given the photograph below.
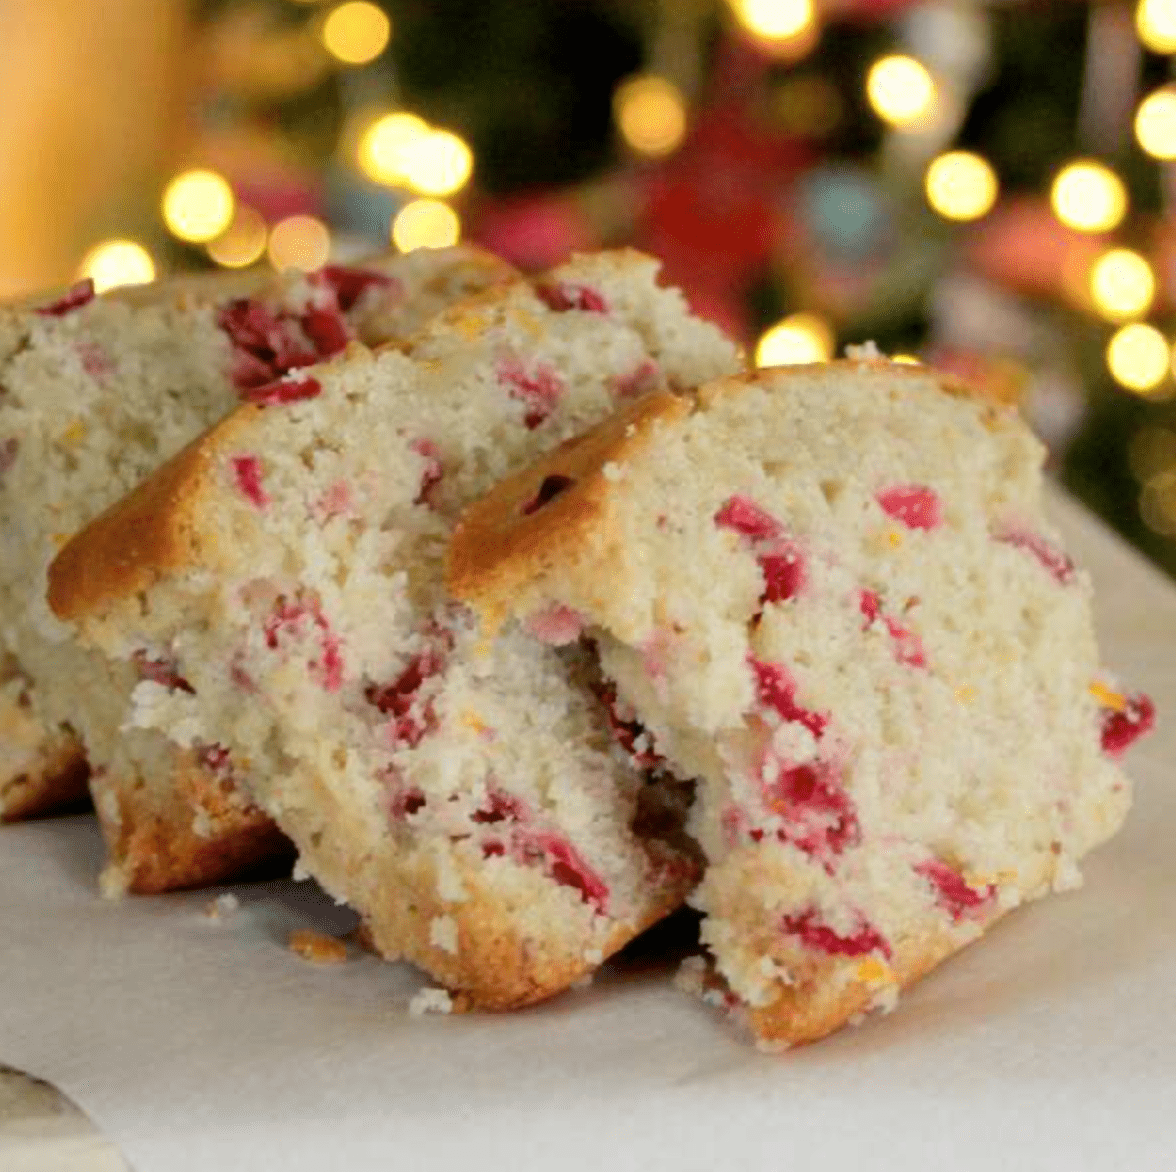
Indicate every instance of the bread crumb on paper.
{"type": "Point", "coordinates": [316, 947]}
{"type": "Point", "coordinates": [222, 907]}
{"type": "Point", "coordinates": [430, 1000]}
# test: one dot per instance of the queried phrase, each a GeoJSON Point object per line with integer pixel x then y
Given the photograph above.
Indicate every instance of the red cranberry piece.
{"type": "Point", "coordinates": [820, 819]}
{"type": "Point", "coordinates": [908, 647]}
{"type": "Point", "coordinates": [248, 323]}
{"type": "Point", "coordinates": [432, 473]}
{"type": "Point", "coordinates": [328, 668]}
{"type": "Point", "coordinates": [349, 284]}
{"type": "Point", "coordinates": [627, 729]}
{"type": "Point", "coordinates": [643, 376]}
{"type": "Point", "coordinates": [1054, 560]}
{"type": "Point", "coordinates": [406, 802]}
{"type": "Point", "coordinates": [915, 505]}
{"type": "Point", "coordinates": [565, 296]}
{"type": "Point", "coordinates": [1121, 729]}
{"type": "Point", "coordinates": [538, 390]}
{"type": "Point", "coordinates": [215, 758]}
{"type": "Point", "coordinates": [327, 330]}
{"type": "Point", "coordinates": [73, 298]}
{"type": "Point", "coordinates": [248, 371]}
{"type": "Point", "coordinates": [8, 450]}
{"type": "Point", "coordinates": [783, 573]}
{"type": "Point", "coordinates": [500, 806]}
{"type": "Point", "coordinates": [776, 689]}
{"type": "Point", "coordinates": [399, 698]}
{"type": "Point", "coordinates": [247, 471]}
{"type": "Point", "coordinates": [568, 868]}
{"type": "Point", "coordinates": [743, 515]}
{"type": "Point", "coordinates": [283, 391]}
{"type": "Point", "coordinates": [814, 933]}
{"type": "Point", "coordinates": [952, 894]}
{"type": "Point", "coordinates": [162, 672]}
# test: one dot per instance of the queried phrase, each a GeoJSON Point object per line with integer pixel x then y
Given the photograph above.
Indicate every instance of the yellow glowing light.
{"type": "Point", "coordinates": [1157, 503]}
{"type": "Point", "coordinates": [1122, 284]}
{"type": "Point", "coordinates": [198, 206]}
{"type": "Point", "coordinates": [1152, 450]}
{"type": "Point", "coordinates": [243, 242]}
{"type": "Point", "coordinates": [434, 163]}
{"type": "Point", "coordinates": [797, 339]}
{"type": "Point", "coordinates": [1088, 197]}
{"type": "Point", "coordinates": [961, 185]}
{"type": "Point", "coordinates": [299, 242]}
{"type": "Point", "coordinates": [1155, 124]}
{"type": "Point", "coordinates": [900, 90]}
{"type": "Point", "coordinates": [381, 145]}
{"type": "Point", "coordinates": [906, 360]}
{"type": "Point", "coordinates": [356, 32]}
{"type": "Point", "coordinates": [651, 114]}
{"type": "Point", "coordinates": [425, 223]}
{"type": "Point", "coordinates": [1138, 358]}
{"type": "Point", "coordinates": [117, 262]}
{"type": "Point", "coordinates": [775, 20]}
{"type": "Point", "coordinates": [1155, 22]}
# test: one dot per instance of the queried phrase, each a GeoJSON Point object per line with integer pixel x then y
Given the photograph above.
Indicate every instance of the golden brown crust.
{"type": "Point", "coordinates": [54, 783]}
{"type": "Point", "coordinates": [498, 965]}
{"type": "Point", "coordinates": [816, 1006]}
{"type": "Point", "coordinates": [154, 846]}
{"type": "Point", "coordinates": [150, 532]}
{"type": "Point", "coordinates": [506, 541]}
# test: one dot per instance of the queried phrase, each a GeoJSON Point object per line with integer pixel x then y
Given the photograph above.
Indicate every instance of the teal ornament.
{"type": "Point", "coordinates": [844, 211]}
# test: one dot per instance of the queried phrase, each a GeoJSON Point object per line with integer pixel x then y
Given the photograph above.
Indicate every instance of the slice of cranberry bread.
{"type": "Point", "coordinates": [94, 394]}
{"type": "Point", "coordinates": [284, 578]}
{"type": "Point", "coordinates": [830, 595]}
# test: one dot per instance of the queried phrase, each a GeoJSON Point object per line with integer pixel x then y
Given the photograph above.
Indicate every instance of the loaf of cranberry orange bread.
{"type": "Point", "coordinates": [831, 596]}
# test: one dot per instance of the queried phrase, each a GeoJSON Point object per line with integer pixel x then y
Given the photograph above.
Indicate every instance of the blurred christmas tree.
{"type": "Point", "coordinates": [983, 186]}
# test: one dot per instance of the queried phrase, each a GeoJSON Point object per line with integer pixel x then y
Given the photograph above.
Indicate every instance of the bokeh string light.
{"type": "Point", "coordinates": [775, 20]}
{"type": "Point", "coordinates": [112, 263]}
{"type": "Point", "coordinates": [198, 206]}
{"type": "Point", "coordinates": [650, 113]}
{"type": "Point", "coordinates": [901, 91]}
{"type": "Point", "coordinates": [243, 242]}
{"type": "Point", "coordinates": [437, 162]}
{"type": "Point", "coordinates": [1122, 284]}
{"type": "Point", "coordinates": [1157, 503]}
{"type": "Point", "coordinates": [1088, 197]}
{"type": "Point", "coordinates": [1155, 22]}
{"type": "Point", "coordinates": [797, 339]}
{"type": "Point", "coordinates": [1138, 358]}
{"type": "Point", "coordinates": [299, 242]}
{"type": "Point", "coordinates": [356, 32]}
{"type": "Point", "coordinates": [1155, 124]}
{"type": "Point", "coordinates": [382, 143]}
{"type": "Point", "coordinates": [425, 223]}
{"type": "Point", "coordinates": [960, 185]}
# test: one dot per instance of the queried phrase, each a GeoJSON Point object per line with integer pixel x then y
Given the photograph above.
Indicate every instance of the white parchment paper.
{"type": "Point", "coordinates": [199, 1044]}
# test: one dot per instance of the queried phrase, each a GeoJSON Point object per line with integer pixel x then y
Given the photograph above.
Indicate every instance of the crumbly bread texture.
{"type": "Point", "coordinates": [94, 394]}
{"type": "Point", "coordinates": [285, 573]}
{"type": "Point", "coordinates": [830, 595]}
